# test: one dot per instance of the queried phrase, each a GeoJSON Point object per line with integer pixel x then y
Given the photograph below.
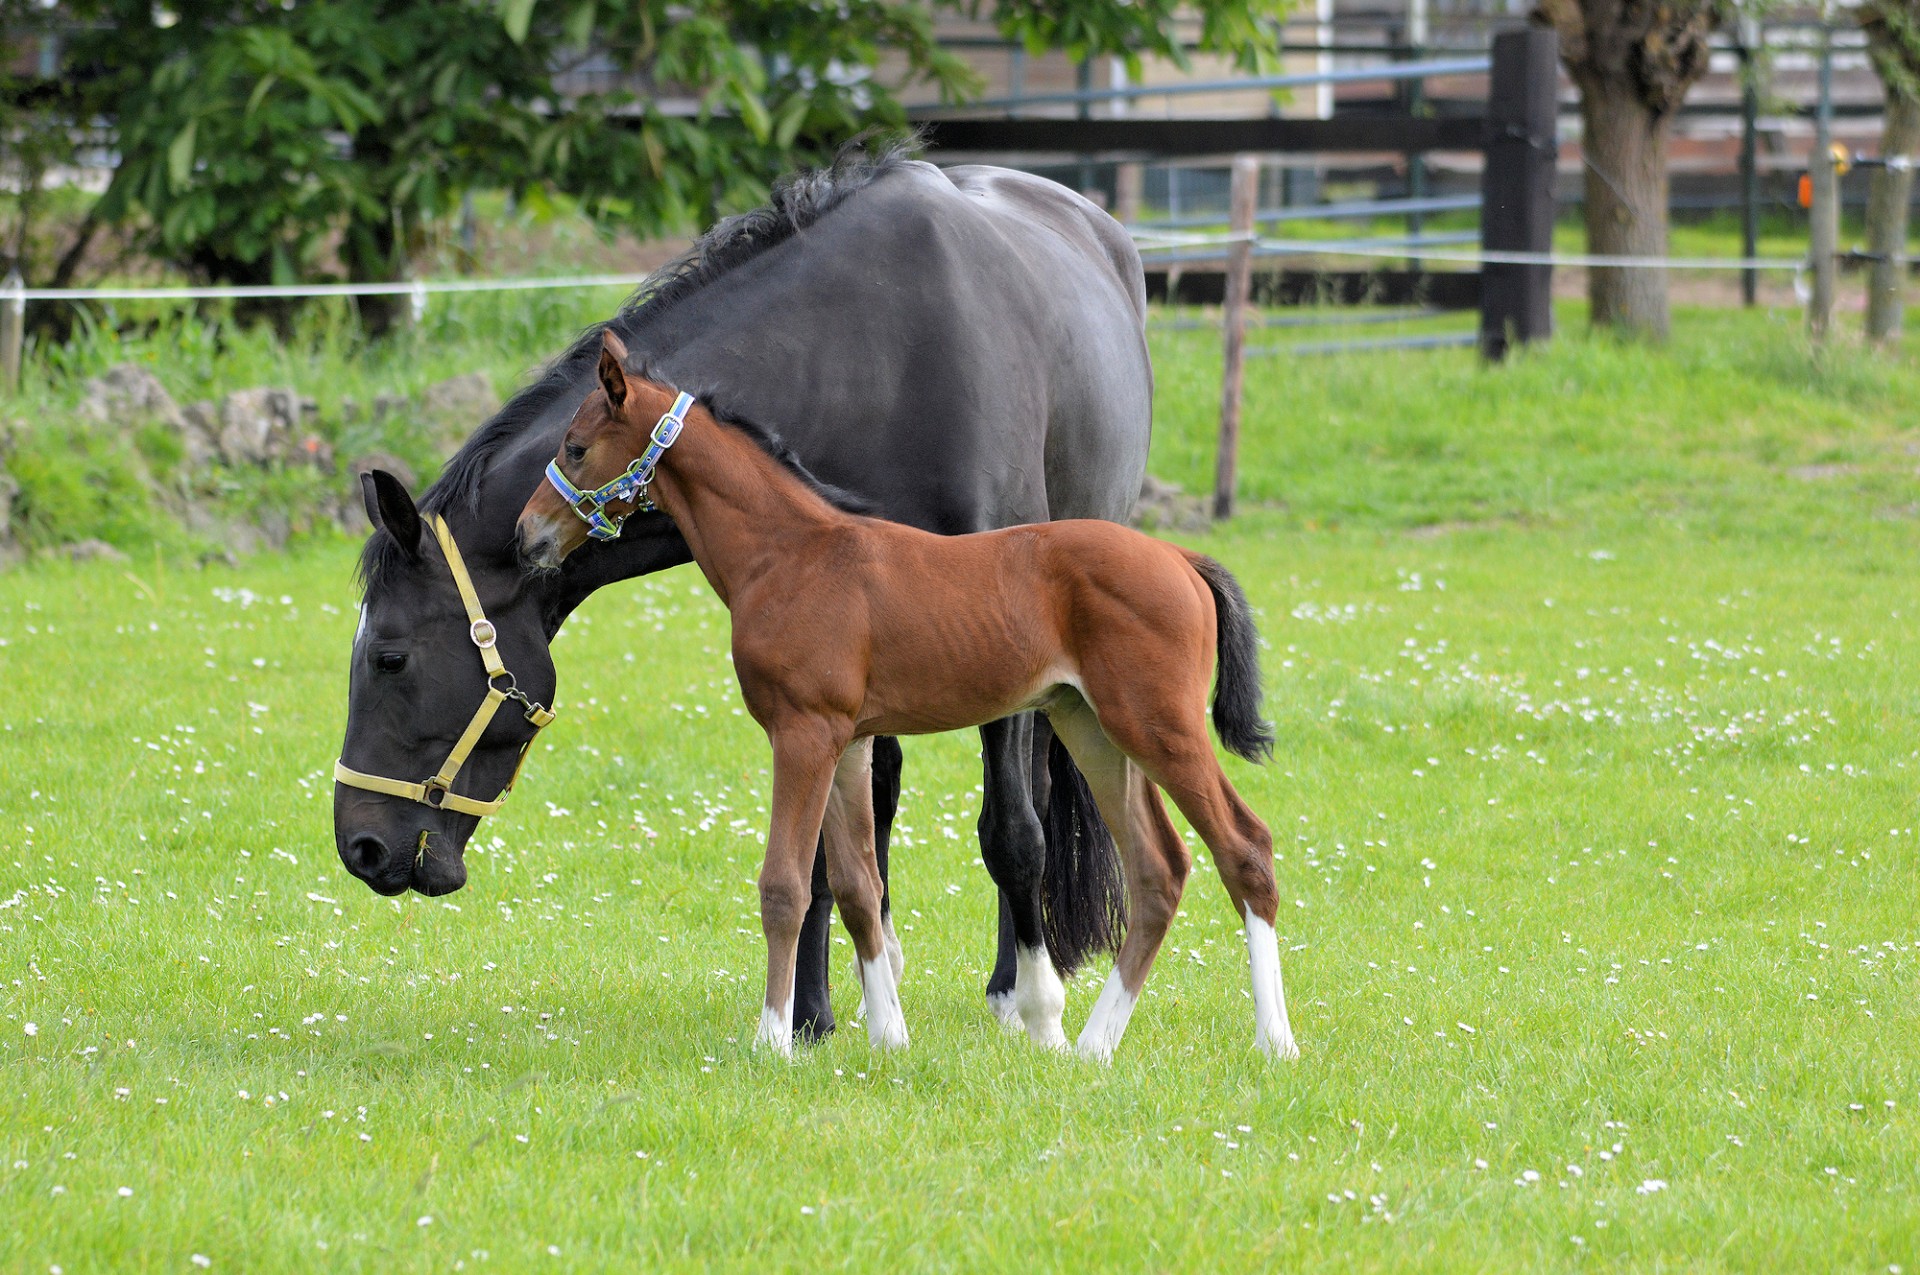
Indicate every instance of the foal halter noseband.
{"type": "Point", "coordinates": [631, 485]}
{"type": "Point", "coordinates": [437, 792]}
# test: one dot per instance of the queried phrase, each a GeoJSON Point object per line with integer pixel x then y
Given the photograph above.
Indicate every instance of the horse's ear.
{"type": "Point", "coordinates": [613, 367]}
{"type": "Point", "coordinates": [391, 509]}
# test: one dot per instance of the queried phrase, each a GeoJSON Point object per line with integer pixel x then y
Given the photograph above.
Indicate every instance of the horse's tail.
{"type": "Point", "coordinates": [1236, 690]}
{"type": "Point", "coordinates": [1083, 896]}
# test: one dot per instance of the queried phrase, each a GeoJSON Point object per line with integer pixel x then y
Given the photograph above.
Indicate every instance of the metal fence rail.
{"type": "Point", "coordinates": [1246, 84]}
{"type": "Point", "coordinates": [1339, 211]}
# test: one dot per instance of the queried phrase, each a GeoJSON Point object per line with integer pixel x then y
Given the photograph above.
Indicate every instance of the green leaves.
{"type": "Point", "coordinates": [180, 154]}
{"type": "Point", "coordinates": [272, 141]}
{"type": "Point", "coordinates": [514, 16]}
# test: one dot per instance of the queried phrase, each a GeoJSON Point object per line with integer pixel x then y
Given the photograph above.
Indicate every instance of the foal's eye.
{"type": "Point", "coordinates": [575, 453]}
{"type": "Point", "coordinates": [391, 661]}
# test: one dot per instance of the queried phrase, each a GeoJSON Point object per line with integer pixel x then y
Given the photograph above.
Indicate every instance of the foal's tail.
{"type": "Point", "coordinates": [1083, 894]}
{"type": "Point", "coordinates": [1236, 690]}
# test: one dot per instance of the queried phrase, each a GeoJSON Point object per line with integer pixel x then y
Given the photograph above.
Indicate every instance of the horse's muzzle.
{"type": "Point", "coordinates": [393, 871]}
{"type": "Point", "coordinates": [538, 544]}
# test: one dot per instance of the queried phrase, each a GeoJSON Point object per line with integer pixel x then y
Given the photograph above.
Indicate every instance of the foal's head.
{"type": "Point", "coordinates": [606, 435]}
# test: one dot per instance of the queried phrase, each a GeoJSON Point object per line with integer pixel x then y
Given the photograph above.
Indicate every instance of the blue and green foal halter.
{"type": "Point", "coordinates": [631, 485]}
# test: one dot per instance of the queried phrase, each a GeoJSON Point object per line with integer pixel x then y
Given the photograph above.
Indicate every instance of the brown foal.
{"type": "Point", "coordinates": [847, 627]}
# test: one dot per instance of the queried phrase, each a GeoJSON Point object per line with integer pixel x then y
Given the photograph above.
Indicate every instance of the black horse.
{"type": "Point", "coordinates": [965, 348]}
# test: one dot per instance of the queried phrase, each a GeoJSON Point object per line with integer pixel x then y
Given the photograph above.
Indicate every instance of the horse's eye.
{"type": "Point", "coordinates": [391, 661]}
{"type": "Point", "coordinates": [575, 453]}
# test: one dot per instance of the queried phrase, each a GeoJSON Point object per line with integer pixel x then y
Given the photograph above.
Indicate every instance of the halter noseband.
{"type": "Point", "coordinates": [631, 485]}
{"type": "Point", "coordinates": [437, 792]}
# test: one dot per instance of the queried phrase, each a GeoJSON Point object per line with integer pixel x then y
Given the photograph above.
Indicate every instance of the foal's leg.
{"type": "Point", "coordinates": [1242, 850]}
{"type": "Point", "coordinates": [812, 996]}
{"type": "Point", "coordinates": [1168, 737]}
{"type": "Point", "coordinates": [1014, 847]}
{"type": "Point", "coordinates": [1155, 859]}
{"type": "Point", "coordinates": [804, 754]}
{"type": "Point", "coordinates": [855, 875]}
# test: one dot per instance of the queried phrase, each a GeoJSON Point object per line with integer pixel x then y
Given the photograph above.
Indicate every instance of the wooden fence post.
{"type": "Point", "coordinates": [1245, 194]}
{"type": "Point", "coordinates": [13, 316]}
{"type": "Point", "coordinates": [1516, 188]}
{"type": "Point", "coordinates": [1129, 187]}
{"type": "Point", "coordinates": [1824, 216]}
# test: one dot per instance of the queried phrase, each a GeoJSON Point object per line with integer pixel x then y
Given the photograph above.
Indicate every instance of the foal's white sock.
{"type": "Point", "coordinates": [886, 1024]}
{"type": "Point", "coordinates": [1108, 1022]}
{"type": "Point", "coordinates": [1271, 1032]}
{"type": "Point", "coordinates": [776, 1029]}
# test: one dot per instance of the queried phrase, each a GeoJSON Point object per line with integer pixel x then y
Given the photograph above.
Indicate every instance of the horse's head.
{"type": "Point", "coordinates": [596, 462]}
{"type": "Point", "coordinates": [419, 761]}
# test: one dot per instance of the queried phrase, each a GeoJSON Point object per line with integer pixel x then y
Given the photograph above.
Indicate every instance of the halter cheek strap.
{"type": "Point", "coordinates": [631, 485]}
{"type": "Point", "coordinates": [437, 792]}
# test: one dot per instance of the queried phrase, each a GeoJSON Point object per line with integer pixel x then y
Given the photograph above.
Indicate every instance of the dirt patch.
{"type": "Point", "coordinates": [1822, 473]}
{"type": "Point", "coordinates": [1440, 530]}
{"type": "Point", "coordinates": [1165, 506]}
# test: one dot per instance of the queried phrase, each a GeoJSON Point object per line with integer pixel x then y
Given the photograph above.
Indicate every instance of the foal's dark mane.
{"type": "Point", "coordinates": [775, 447]}
{"type": "Point", "coordinates": [797, 202]}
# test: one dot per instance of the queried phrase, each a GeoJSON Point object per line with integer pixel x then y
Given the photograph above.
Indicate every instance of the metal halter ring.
{"type": "Point", "coordinates": [631, 484]}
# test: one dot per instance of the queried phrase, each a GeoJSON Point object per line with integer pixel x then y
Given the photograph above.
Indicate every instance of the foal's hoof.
{"type": "Point", "coordinates": [888, 1035]}
{"type": "Point", "coordinates": [1280, 1047]}
{"type": "Point", "coordinates": [813, 1030]}
{"type": "Point", "coordinates": [774, 1034]}
{"type": "Point", "coordinates": [1095, 1050]}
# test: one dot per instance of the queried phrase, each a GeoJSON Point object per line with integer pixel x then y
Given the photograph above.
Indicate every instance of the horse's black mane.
{"type": "Point", "coordinates": [798, 201]}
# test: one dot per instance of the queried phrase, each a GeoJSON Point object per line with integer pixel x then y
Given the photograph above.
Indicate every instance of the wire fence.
{"type": "Point", "coordinates": [1152, 241]}
{"type": "Point", "coordinates": [14, 292]}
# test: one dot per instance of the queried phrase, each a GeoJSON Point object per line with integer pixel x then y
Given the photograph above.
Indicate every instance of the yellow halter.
{"type": "Point", "coordinates": [438, 792]}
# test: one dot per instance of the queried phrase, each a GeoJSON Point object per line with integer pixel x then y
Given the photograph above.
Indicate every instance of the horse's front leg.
{"type": "Point", "coordinates": [855, 875]}
{"type": "Point", "coordinates": [804, 756]}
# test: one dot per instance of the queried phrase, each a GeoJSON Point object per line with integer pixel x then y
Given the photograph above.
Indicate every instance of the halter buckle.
{"type": "Point", "coordinates": [435, 794]}
{"type": "Point", "coordinates": [483, 634]}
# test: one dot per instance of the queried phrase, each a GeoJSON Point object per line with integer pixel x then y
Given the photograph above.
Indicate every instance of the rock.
{"type": "Point", "coordinates": [89, 550]}
{"type": "Point", "coordinates": [369, 461]}
{"type": "Point", "coordinates": [127, 391]}
{"type": "Point", "coordinates": [453, 409]}
{"type": "Point", "coordinates": [463, 401]}
{"type": "Point", "coordinates": [351, 512]}
{"type": "Point", "coordinates": [128, 394]}
{"type": "Point", "coordinates": [273, 528]}
{"type": "Point", "coordinates": [1165, 507]}
{"type": "Point", "coordinates": [257, 426]}
{"type": "Point", "coordinates": [316, 451]}
{"type": "Point", "coordinates": [385, 405]}
{"type": "Point", "coordinates": [10, 552]}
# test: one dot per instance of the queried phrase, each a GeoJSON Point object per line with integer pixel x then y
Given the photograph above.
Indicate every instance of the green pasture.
{"type": "Point", "coordinates": [1595, 682]}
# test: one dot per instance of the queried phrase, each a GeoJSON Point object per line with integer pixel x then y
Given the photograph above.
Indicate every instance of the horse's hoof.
{"type": "Point", "coordinates": [811, 1031]}
{"type": "Point", "coordinates": [1007, 1010]}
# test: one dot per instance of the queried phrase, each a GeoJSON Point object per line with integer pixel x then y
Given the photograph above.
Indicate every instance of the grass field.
{"type": "Point", "coordinates": [1594, 677]}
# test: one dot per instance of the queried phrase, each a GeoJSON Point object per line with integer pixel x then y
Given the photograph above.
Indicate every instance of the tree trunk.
{"type": "Point", "coordinates": [1625, 144]}
{"type": "Point", "coordinates": [369, 252]}
{"type": "Point", "coordinates": [1888, 199]}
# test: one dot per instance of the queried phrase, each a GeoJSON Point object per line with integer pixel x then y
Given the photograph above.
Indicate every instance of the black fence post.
{"type": "Point", "coordinates": [1516, 188]}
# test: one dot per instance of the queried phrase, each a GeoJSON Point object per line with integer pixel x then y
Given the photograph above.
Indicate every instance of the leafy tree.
{"type": "Point", "coordinates": [1634, 61]}
{"type": "Point", "coordinates": [268, 142]}
{"type": "Point", "coordinates": [1893, 42]}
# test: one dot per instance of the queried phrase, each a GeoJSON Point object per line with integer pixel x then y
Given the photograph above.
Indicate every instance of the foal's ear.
{"type": "Point", "coordinates": [391, 509]}
{"type": "Point", "coordinates": [613, 367]}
